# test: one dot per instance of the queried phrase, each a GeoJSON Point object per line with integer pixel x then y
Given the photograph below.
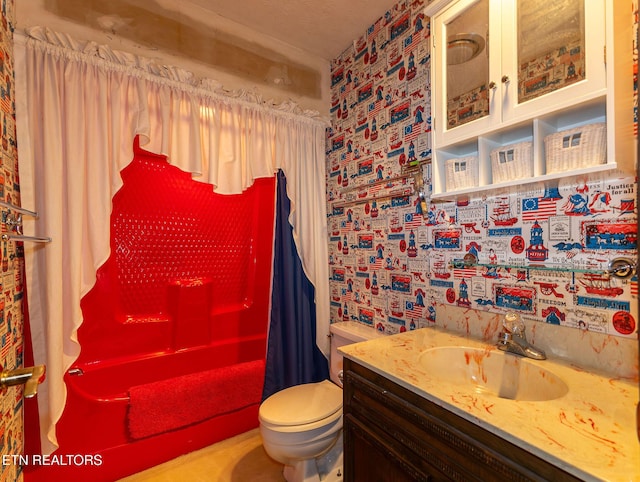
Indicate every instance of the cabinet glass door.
{"type": "Point", "coordinates": [467, 65]}
{"type": "Point", "coordinates": [551, 46]}
{"type": "Point", "coordinates": [552, 55]}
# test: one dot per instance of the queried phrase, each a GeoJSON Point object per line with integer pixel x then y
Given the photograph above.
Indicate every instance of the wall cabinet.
{"type": "Point", "coordinates": [510, 73]}
{"type": "Point", "coordinates": [391, 433]}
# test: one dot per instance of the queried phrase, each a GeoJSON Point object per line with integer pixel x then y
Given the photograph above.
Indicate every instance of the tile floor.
{"type": "Point", "coordinates": [238, 459]}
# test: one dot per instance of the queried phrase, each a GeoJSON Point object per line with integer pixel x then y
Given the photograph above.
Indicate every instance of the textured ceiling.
{"type": "Point", "coordinates": [323, 27]}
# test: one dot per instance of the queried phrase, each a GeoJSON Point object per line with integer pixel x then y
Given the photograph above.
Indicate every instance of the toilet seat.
{"type": "Point", "coordinates": [302, 407]}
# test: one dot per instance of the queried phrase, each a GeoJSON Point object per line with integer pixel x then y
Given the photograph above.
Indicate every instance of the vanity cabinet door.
{"type": "Point", "coordinates": [374, 457]}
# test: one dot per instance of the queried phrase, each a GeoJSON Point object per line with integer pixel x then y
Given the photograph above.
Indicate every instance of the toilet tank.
{"type": "Point", "coordinates": [345, 333]}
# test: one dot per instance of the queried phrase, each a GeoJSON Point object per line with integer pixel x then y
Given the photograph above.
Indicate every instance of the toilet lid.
{"type": "Point", "coordinates": [302, 404]}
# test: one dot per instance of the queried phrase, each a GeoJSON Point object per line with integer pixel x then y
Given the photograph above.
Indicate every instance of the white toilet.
{"type": "Point", "coordinates": [301, 426]}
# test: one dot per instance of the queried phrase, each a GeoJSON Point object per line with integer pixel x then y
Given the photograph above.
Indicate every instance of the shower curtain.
{"type": "Point", "coordinates": [79, 107]}
{"type": "Point", "coordinates": [292, 355]}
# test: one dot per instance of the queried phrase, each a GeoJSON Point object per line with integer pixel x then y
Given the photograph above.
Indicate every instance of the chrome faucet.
{"type": "Point", "coordinates": [512, 339]}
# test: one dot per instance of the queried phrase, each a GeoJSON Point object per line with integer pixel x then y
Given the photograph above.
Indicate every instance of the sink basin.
{"type": "Point", "coordinates": [493, 372]}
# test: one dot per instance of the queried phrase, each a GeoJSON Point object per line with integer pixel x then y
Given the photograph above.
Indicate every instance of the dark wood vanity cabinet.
{"type": "Point", "coordinates": [393, 435]}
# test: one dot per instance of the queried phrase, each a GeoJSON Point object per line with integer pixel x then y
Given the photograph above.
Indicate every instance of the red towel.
{"type": "Point", "coordinates": [173, 403]}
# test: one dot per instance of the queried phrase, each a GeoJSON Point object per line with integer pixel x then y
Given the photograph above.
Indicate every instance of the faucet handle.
{"type": "Point", "coordinates": [513, 324]}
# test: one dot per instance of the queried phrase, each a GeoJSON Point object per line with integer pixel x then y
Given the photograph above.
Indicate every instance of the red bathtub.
{"type": "Point", "coordinates": [174, 334]}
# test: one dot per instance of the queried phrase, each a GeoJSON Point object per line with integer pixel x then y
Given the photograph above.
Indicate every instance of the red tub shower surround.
{"type": "Point", "coordinates": [174, 334]}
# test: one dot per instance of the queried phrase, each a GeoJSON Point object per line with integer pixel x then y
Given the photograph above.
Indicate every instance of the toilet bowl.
{"type": "Point", "coordinates": [301, 426]}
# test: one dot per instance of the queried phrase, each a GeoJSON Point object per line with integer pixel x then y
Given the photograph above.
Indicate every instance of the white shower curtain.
{"type": "Point", "coordinates": [79, 106]}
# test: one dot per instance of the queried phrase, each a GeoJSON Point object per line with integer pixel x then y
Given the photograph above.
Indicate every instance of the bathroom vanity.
{"type": "Point", "coordinates": [429, 405]}
{"type": "Point", "coordinates": [392, 431]}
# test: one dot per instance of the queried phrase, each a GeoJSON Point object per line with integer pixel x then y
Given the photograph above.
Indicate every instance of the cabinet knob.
{"type": "Point", "coordinates": [505, 79]}
{"type": "Point", "coordinates": [492, 85]}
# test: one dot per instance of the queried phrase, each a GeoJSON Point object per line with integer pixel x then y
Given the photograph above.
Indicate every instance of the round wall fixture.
{"type": "Point", "coordinates": [463, 47]}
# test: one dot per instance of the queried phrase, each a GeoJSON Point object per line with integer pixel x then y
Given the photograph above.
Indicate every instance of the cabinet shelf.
{"type": "Point", "coordinates": [618, 267]}
{"type": "Point", "coordinates": [517, 185]}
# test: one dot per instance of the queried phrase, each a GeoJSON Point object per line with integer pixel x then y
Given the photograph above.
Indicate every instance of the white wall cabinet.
{"type": "Point", "coordinates": [508, 72]}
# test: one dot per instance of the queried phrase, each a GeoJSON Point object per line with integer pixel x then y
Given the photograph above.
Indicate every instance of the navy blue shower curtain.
{"type": "Point", "coordinates": [293, 357]}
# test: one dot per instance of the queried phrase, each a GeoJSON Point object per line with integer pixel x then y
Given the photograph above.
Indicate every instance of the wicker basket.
{"type": "Point", "coordinates": [462, 172]}
{"type": "Point", "coordinates": [511, 162]}
{"type": "Point", "coordinates": [582, 146]}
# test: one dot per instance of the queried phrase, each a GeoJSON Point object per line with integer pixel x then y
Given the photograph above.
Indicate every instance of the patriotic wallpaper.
{"type": "Point", "coordinates": [397, 264]}
{"type": "Point", "coordinates": [11, 258]}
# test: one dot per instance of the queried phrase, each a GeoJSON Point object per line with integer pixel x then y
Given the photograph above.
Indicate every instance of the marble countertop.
{"type": "Point", "coordinates": [590, 432]}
